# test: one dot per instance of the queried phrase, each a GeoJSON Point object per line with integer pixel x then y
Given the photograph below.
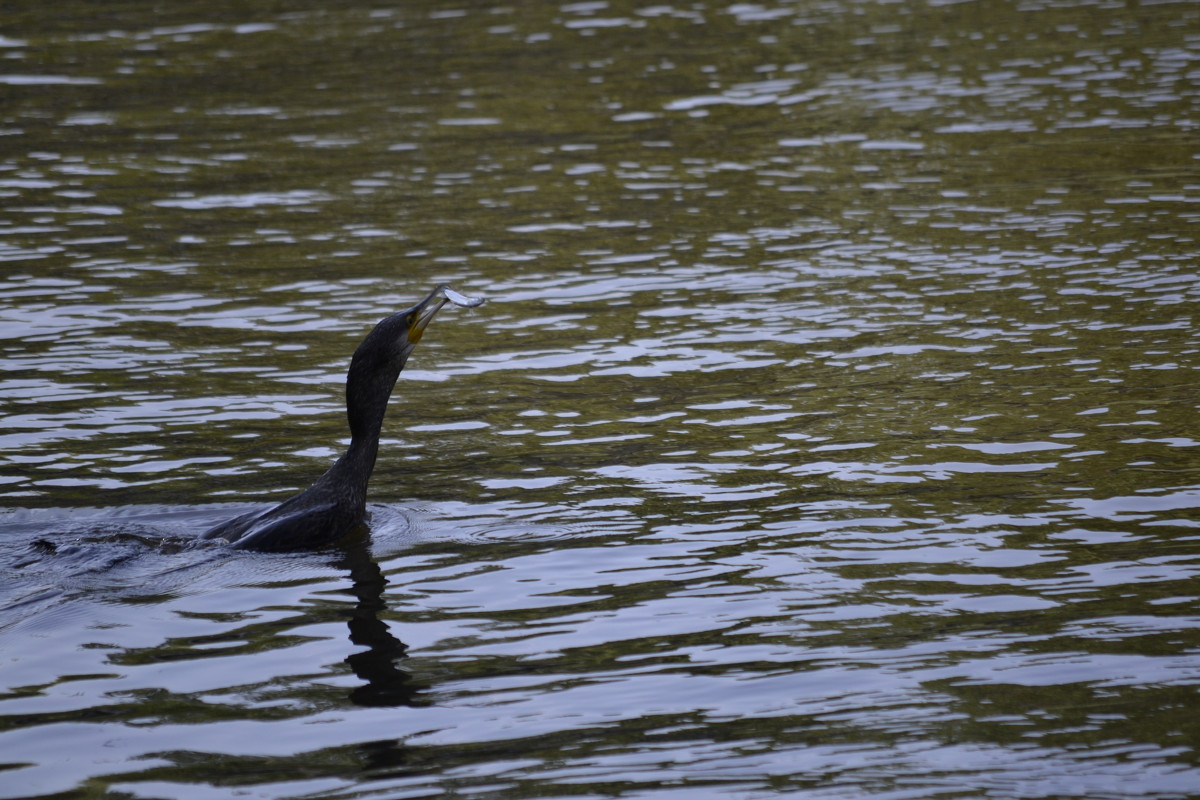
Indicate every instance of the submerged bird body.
{"type": "Point", "coordinates": [335, 505]}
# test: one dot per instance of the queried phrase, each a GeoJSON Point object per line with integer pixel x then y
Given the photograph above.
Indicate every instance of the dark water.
{"type": "Point", "coordinates": [830, 431]}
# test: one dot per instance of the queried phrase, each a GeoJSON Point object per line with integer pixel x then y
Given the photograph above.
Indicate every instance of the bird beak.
{"type": "Point", "coordinates": [424, 313]}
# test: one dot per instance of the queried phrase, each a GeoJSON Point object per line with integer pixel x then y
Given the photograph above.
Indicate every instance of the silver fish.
{"type": "Point", "coordinates": [462, 299]}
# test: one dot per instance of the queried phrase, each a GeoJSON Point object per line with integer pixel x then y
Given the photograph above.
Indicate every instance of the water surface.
{"type": "Point", "coordinates": [829, 431]}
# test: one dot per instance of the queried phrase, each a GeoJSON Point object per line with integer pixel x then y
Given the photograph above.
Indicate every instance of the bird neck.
{"type": "Point", "coordinates": [350, 474]}
{"type": "Point", "coordinates": [368, 387]}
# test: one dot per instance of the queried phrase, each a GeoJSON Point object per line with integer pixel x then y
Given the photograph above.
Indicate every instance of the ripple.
{"type": "Point", "coordinates": [298, 197]}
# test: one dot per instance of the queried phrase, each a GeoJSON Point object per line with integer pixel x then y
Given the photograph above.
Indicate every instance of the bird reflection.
{"type": "Point", "coordinates": [386, 684]}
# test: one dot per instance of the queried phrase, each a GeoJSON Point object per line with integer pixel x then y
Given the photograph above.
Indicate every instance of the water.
{"type": "Point", "coordinates": [829, 431]}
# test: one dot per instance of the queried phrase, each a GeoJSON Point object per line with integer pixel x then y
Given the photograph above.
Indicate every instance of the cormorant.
{"type": "Point", "coordinates": [336, 504]}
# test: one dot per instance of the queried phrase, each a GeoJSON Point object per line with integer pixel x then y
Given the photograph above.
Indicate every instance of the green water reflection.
{"type": "Point", "coordinates": [829, 430]}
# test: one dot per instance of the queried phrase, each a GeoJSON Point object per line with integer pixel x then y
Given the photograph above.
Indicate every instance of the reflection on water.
{"type": "Point", "coordinates": [828, 431]}
{"type": "Point", "coordinates": [386, 684]}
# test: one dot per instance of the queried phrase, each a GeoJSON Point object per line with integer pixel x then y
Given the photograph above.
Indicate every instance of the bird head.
{"type": "Point", "coordinates": [383, 353]}
{"type": "Point", "coordinates": [389, 344]}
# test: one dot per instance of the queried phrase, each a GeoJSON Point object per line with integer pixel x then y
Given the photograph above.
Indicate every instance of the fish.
{"type": "Point", "coordinates": [461, 299]}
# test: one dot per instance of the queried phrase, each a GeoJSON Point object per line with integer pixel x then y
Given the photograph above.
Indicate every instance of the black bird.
{"type": "Point", "coordinates": [336, 504]}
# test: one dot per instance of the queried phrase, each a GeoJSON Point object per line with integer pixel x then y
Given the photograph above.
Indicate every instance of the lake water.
{"type": "Point", "coordinates": [830, 431]}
